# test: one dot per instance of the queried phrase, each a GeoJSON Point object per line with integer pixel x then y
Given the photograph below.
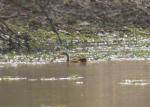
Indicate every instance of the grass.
{"type": "Point", "coordinates": [132, 42]}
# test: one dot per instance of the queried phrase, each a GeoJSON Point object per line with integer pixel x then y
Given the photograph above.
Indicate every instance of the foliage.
{"type": "Point", "coordinates": [90, 28]}
{"type": "Point", "coordinates": [67, 2]}
{"type": "Point", "coordinates": [142, 53]}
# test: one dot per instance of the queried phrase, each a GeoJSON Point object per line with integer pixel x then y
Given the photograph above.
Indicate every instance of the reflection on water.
{"type": "Point", "coordinates": [41, 79]}
{"type": "Point", "coordinates": [135, 82]}
{"type": "Point", "coordinates": [107, 84]}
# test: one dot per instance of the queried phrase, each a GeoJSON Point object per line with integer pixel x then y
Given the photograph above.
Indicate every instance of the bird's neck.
{"type": "Point", "coordinates": [67, 55]}
{"type": "Point", "coordinates": [67, 58]}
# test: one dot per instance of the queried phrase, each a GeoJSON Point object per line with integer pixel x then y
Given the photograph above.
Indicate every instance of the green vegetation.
{"type": "Point", "coordinates": [132, 42]}
{"type": "Point", "coordinates": [35, 31]}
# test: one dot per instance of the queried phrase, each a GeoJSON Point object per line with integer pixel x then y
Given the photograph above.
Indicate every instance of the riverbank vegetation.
{"type": "Point", "coordinates": [34, 31]}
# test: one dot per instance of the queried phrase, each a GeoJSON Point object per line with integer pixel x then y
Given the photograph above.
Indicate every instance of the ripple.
{"type": "Point", "coordinates": [135, 82]}
{"type": "Point", "coordinates": [9, 78]}
{"type": "Point", "coordinates": [13, 78]}
{"type": "Point", "coordinates": [79, 82]}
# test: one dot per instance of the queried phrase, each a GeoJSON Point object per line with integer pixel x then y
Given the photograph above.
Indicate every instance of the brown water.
{"type": "Point", "coordinates": [107, 84]}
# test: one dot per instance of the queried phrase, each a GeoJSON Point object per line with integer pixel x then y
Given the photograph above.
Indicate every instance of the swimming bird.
{"type": "Point", "coordinates": [74, 60]}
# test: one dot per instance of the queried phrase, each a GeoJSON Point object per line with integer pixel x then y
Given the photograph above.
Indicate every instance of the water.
{"type": "Point", "coordinates": [107, 84]}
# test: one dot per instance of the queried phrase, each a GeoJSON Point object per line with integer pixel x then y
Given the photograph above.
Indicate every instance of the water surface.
{"type": "Point", "coordinates": [106, 84]}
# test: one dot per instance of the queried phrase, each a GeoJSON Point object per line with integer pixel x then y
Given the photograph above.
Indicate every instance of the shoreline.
{"type": "Point", "coordinates": [15, 64]}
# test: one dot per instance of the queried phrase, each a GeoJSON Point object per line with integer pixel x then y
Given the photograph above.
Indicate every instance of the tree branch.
{"type": "Point", "coordinates": [8, 17]}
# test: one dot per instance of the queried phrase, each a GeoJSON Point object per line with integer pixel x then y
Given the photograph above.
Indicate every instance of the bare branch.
{"type": "Point", "coordinates": [8, 17]}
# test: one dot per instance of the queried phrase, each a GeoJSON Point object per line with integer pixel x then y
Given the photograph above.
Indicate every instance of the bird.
{"type": "Point", "coordinates": [74, 60]}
